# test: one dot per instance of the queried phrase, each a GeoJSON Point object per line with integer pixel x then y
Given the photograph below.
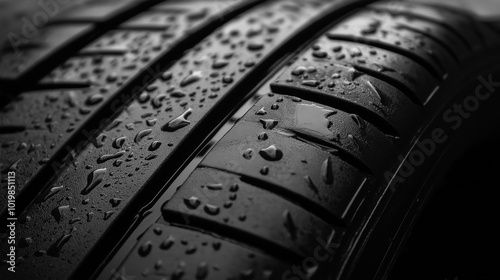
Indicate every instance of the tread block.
{"type": "Point", "coordinates": [236, 204]}
{"type": "Point", "coordinates": [178, 253]}
{"type": "Point", "coordinates": [93, 11]}
{"type": "Point", "coordinates": [48, 42]}
{"type": "Point", "coordinates": [306, 174]}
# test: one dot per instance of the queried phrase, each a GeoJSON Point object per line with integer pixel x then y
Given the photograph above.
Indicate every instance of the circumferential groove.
{"type": "Point", "coordinates": [428, 19]}
{"type": "Point", "coordinates": [392, 48]}
{"type": "Point", "coordinates": [238, 236]}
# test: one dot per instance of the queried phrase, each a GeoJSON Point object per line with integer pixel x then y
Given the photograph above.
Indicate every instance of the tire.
{"type": "Point", "coordinates": [233, 139]}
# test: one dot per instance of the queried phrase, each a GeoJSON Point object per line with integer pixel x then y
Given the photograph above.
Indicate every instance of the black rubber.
{"type": "Point", "coordinates": [225, 139]}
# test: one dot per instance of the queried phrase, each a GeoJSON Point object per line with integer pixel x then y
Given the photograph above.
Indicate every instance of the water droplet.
{"type": "Point", "coordinates": [166, 76]}
{"type": "Point", "coordinates": [90, 215]}
{"type": "Point", "coordinates": [145, 248]}
{"type": "Point", "coordinates": [211, 209]}
{"type": "Point", "coordinates": [58, 212]}
{"type": "Point", "coordinates": [248, 153]}
{"type": "Point", "coordinates": [354, 51]}
{"type": "Point", "coordinates": [352, 74]}
{"type": "Point", "coordinates": [157, 230]}
{"type": "Point", "coordinates": [177, 94]}
{"type": "Point", "coordinates": [216, 245]}
{"type": "Point", "coordinates": [192, 203]}
{"type": "Point", "coordinates": [261, 112]}
{"type": "Point", "coordinates": [358, 120]}
{"type": "Point", "coordinates": [94, 99]}
{"type": "Point", "coordinates": [52, 192]}
{"type": "Point", "coordinates": [114, 124]}
{"type": "Point", "coordinates": [154, 145]}
{"type": "Point", "coordinates": [151, 122]}
{"type": "Point", "coordinates": [375, 92]}
{"type": "Point", "coordinates": [383, 68]}
{"type": "Point", "coordinates": [115, 201]}
{"type": "Point", "coordinates": [158, 264]}
{"type": "Point", "coordinates": [264, 170]}
{"type": "Point", "coordinates": [108, 214]}
{"type": "Point", "coordinates": [71, 98]}
{"type": "Point", "coordinates": [167, 243]}
{"type": "Point", "coordinates": [227, 79]}
{"type": "Point", "coordinates": [234, 187]}
{"type": "Point", "coordinates": [177, 123]}
{"type": "Point", "coordinates": [353, 140]}
{"type": "Point", "coordinates": [327, 171]}
{"type": "Point", "coordinates": [268, 123]}
{"type": "Point", "coordinates": [299, 70]}
{"type": "Point", "coordinates": [202, 271]}
{"type": "Point", "coordinates": [271, 153]}
{"type": "Point", "coordinates": [262, 136]}
{"type": "Point", "coordinates": [112, 77]}
{"type": "Point", "coordinates": [192, 78]}
{"type": "Point", "coordinates": [312, 120]}
{"type": "Point", "coordinates": [142, 134]}
{"type": "Point", "coordinates": [252, 46]}
{"type": "Point", "coordinates": [26, 241]}
{"type": "Point", "coordinates": [289, 224]}
{"type": "Point", "coordinates": [310, 83]}
{"type": "Point", "coordinates": [56, 248]}
{"type": "Point", "coordinates": [191, 249]}
{"type": "Point", "coordinates": [247, 274]}
{"type": "Point", "coordinates": [311, 184]}
{"type": "Point", "coordinates": [218, 64]}
{"type": "Point", "coordinates": [214, 186]}
{"type": "Point", "coordinates": [94, 179]}
{"type": "Point", "coordinates": [99, 140]}
{"type": "Point", "coordinates": [107, 157]}
{"type": "Point", "coordinates": [156, 101]}
{"type": "Point", "coordinates": [319, 54]}
{"type": "Point", "coordinates": [22, 146]}
{"type": "Point", "coordinates": [150, 157]}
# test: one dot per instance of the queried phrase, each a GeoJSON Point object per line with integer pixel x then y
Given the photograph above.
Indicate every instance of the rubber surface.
{"type": "Point", "coordinates": [120, 100]}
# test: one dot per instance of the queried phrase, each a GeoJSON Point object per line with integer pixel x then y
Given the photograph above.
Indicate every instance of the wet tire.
{"type": "Point", "coordinates": [233, 139]}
